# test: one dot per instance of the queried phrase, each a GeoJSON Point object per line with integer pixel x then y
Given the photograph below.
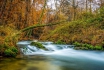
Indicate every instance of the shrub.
{"type": "Point", "coordinates": [14, 49]}
{"type": "Point", "coordinates": [91, 47]}
{"type": "Point", "coordinates": [93, 20]}
{"type": "Point", "coordinates": [11, 52]}
{"type": "Point", "coordinates": [87, 15]}
{"type": "Point", "coordinates": [98, 48]}
{"type": "Point", "coordinates": [102, 11]}
{"type": "Point", "coordinates": [77, 44]}
{"type": "Point", "coordinates": [84, 46]}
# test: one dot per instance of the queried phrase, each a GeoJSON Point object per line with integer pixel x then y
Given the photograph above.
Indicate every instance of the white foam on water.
{"type": "Point", "coordinates": [61, 50]}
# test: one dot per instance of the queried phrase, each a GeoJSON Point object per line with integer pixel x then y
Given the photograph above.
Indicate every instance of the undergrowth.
{"type": "Point", "coordinates": [85, 30]}
{"type": "Point", "coordinates": [8, 40]}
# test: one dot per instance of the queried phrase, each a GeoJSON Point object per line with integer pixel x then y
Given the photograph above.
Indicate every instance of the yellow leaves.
{"type": "Point", "coordinates": [93, 35]}
{"type": "Point", "coordinates": [7, 34]}
{"type": "Point", "coordinates": [62, 16]}
{"type": "Point", "coordinates": [16, 12]}
{"type": "Point", "coordinates": [23, 15]}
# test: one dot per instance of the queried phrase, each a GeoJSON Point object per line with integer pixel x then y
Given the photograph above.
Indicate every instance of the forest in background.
{"type": "Point", "coordinates": [84, 22]}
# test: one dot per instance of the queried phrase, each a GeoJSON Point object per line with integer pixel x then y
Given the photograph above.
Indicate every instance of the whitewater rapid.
{"type": "Point", "coordinates": [66, 51]}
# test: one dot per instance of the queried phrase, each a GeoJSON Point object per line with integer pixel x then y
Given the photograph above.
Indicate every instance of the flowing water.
{"type": "Point", "coordinates": [57, 57]}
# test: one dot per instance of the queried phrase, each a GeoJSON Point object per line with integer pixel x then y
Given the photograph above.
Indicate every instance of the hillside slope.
{"type": "Point", "coordinates": [90, 31]}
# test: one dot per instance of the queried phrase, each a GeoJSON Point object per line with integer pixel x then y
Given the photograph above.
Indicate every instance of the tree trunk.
{"type": "Point", "coordinates": [86, 5]}
{"type": "Point", "coordinates": [35, 26]}
{"type": "Point", "coordinates": [40, 20]}
{"type": "Point", "coordinates": [27, 12]}
{"type": "Point", "coordinates": [1, 12]}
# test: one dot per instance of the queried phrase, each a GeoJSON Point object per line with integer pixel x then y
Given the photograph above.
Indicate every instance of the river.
{"type": "Point", "coordinates": [59, 57]}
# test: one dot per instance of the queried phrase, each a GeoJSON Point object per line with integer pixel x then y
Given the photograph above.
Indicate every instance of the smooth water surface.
{"type": "Point", "coordinates": [59, 57]}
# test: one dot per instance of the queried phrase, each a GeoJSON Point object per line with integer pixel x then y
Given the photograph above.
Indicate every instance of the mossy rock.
{"type": "Point", "coordinates": [60, 42]}
{"type": "Point", "coordinates": [38, 45]}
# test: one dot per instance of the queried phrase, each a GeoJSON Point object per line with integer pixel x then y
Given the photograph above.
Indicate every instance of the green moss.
{"type": "Point", "coordinates": [77, 44]}
{"type": "Point", "coordinates": [37, 44]}
{"type": "Point", "coordinates": [14, 49]}
{"type": "Point", "coordinates": [10, 52]}
{"type": "Point", "coordinates": [88, 46]}
{"type": "Point", "coordinates": [60, 42]}
{"type": "Point", "coordinates": [81, 46]}
{"type": "Point", "coordinates": [98, 48]}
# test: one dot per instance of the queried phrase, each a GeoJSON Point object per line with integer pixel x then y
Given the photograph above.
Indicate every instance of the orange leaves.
{"type": "Point", "coordinates": [93, 35]}
{"type": "Point", "coordinates": [22, 12]}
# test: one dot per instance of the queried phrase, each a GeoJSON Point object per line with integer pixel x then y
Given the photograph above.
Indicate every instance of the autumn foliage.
{"type": "Point", "coordinates": [85, 21]}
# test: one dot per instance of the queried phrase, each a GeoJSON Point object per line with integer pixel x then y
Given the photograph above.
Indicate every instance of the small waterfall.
{"type": "Point", "coordinates": [66, 51]}
{"type": "Point", "coordinates": [32, 48]}
{"type": "Point", "coordinates": [55, 47]}
{"type": "Point", "coordinates": [27, 49]}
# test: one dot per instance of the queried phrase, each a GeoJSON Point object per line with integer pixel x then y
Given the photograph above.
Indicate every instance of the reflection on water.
{"type": "Point", "coordinates": [50, 63]}
{"type": "Point", "coordinates": [60, 58]}
{"type": "Point", "coordinates": [34, 63]}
